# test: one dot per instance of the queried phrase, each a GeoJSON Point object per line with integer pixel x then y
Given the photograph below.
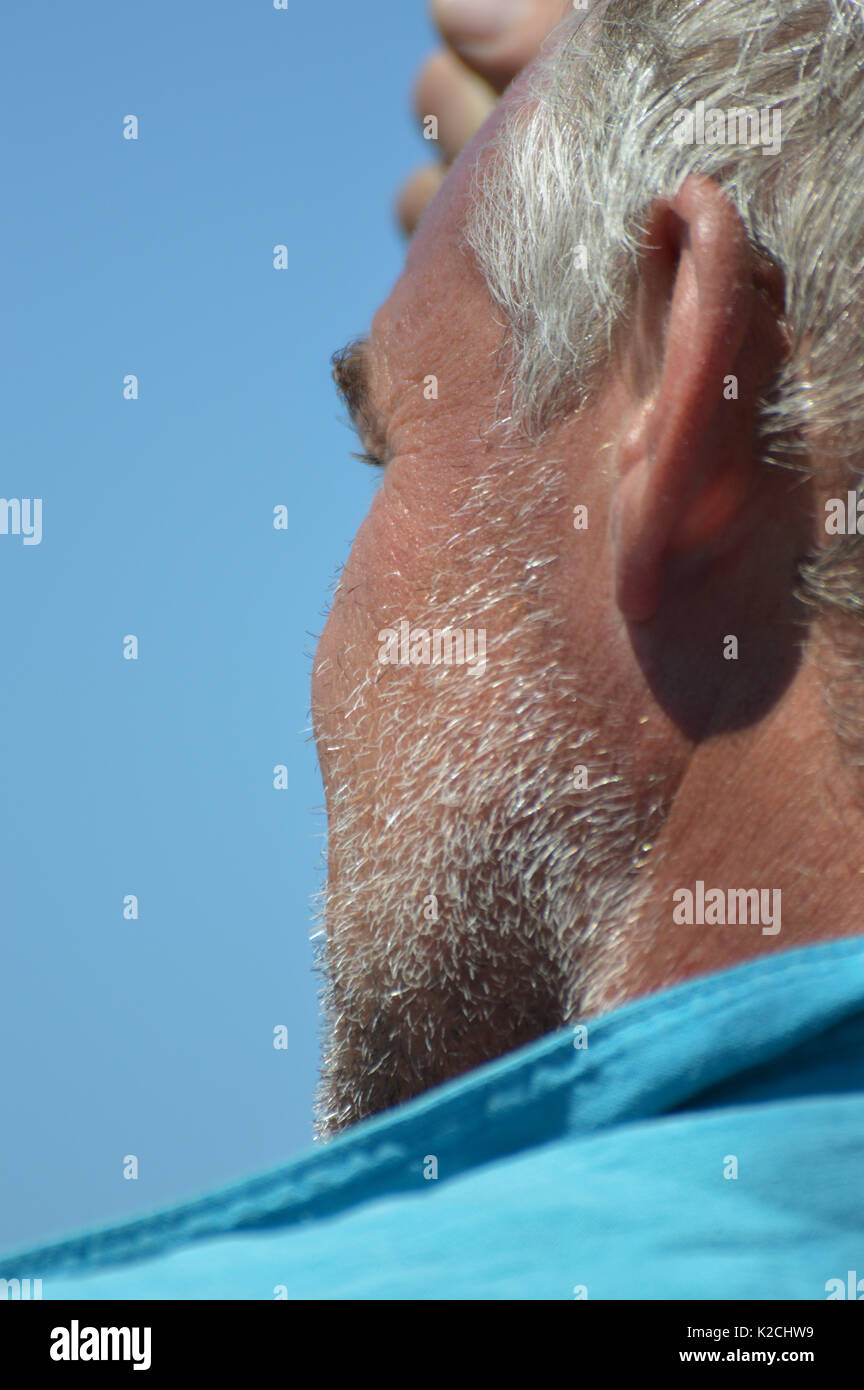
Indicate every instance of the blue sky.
{"type": "Point", "coordinates": [155, 777]}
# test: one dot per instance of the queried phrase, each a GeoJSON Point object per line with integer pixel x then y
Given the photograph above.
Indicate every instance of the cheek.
{"type": "Point", "coordinates": [385, 578]}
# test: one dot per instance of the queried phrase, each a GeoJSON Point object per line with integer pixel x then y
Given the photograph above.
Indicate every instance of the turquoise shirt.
{"type": "Point", "coordinates": [705, 1142]}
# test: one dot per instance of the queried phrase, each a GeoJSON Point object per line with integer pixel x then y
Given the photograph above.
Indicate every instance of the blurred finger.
{"type": "Point", "coordinates": [458, 99]}
{"type": "Point", "coordinates": [497, 38]}
{"type": "Point", "coordinates": [415, 194]}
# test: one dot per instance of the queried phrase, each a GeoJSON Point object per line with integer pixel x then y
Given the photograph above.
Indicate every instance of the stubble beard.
{"type": "Point", "coordinates": [476, 892]}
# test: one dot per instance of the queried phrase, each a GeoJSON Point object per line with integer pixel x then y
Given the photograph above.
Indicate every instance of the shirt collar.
{"type": "Point", "coordinates": [768, 1024]}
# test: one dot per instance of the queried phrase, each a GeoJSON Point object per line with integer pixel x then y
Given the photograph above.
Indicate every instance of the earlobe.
{"type": "Point", "coordinates": [686, 461]}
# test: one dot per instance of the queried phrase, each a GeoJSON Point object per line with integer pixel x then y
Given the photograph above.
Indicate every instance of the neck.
{"type": "Point", "coordinates": [775, 808]}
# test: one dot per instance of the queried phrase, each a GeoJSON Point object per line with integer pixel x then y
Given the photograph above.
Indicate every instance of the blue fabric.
{"type": "Point", "coordinates": [562, 1172]}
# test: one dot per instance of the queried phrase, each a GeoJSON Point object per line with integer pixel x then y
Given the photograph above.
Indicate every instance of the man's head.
{"type": "Point", "coordinates": [583, 633]}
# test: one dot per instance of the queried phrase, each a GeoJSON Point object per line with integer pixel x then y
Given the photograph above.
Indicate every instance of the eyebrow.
{"type": "Point", "coordinates": [351, 376]}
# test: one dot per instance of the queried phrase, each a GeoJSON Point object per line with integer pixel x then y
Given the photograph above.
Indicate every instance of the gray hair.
{"type": "Point", "coordinates": [581, 161]}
